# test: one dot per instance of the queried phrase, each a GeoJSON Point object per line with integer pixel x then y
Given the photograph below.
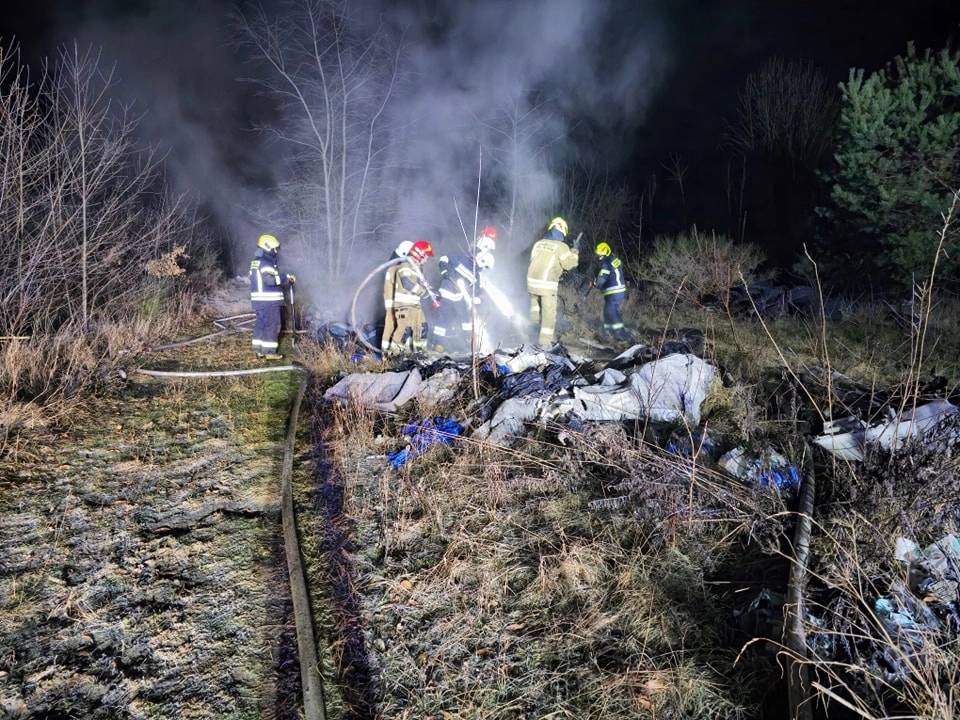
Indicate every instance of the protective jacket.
{"type": "Point", "coordinates": [403, 285]}
{"type": "Point", "coordinates": [548, 260]}
{"type": "Point", "coordinates": [610, 278]}
{"type": "Point", "coordinates": [459, 275]}
{"type": "Point", "coordinates": [266, 281]}
{"type": "Point", "coordinates": [404, 326]}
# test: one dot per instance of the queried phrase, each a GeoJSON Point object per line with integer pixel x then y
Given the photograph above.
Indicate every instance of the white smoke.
{"type": "Point", "coordinates": [571, 74]}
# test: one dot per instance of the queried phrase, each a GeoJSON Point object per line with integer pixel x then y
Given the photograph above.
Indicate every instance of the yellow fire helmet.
{"type": "Point", "coordinates": [268, 243]}
{"type": "Point", "coordinates": [560, 224]}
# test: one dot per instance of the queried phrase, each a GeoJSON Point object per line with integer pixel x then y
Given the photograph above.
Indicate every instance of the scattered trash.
{"type": "Point", "coordinates": [536, 383]}
{"type": "Point", "coordinates": [907, 623]}
{"type": "Point", "coordinates": [423, 434]}
{"type": "Point", "coordinates": [343, 335]}
{"type": "Point", "coordinates": [691, 443]}
{"type": "Point", "coordinates": [768, 468]}
{"type": "Point", "coordinates": [849, 437]}
{"type": "Point", "coordinates": [763, 616]}
{"type": "Point", "coordinates": [767, 299]}
{"type": "Point", "coordinates": [934, 571]}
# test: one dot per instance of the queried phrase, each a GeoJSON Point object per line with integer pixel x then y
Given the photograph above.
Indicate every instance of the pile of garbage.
{"type": "Point", "coordinates": [665, 387]}
{"type": "Point", "coordinates": [668, 387]}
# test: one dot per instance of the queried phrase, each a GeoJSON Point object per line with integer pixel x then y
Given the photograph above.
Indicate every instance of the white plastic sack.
{"type": "Point", "coordinates": [848, 437]}
{"type": "Point", "coordinates": [386, 391]}
{"type": "Point", "coordinates": [669, 389]}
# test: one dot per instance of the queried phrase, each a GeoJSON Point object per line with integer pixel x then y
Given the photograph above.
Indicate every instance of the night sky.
{"type": "Point", "coordinates": [719, 43]}
{"type": "Point", "coordinates": [641, 80]}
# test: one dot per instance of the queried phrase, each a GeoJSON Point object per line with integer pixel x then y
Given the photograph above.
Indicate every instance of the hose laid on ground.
{"type": "Point", "coordinates": [798, 676]}
{"type": "Point", "coordinates": [313, 701]}
{"type": "Point", "coordinates": [219, 322]}
{"type": "Point", "coordinates": [313, 698]}
{"type": "Point", "coordinates": [216, 373]}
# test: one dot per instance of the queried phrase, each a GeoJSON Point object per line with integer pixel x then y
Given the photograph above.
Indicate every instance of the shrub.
{"type": "Point", "coordinates": [691, 266]}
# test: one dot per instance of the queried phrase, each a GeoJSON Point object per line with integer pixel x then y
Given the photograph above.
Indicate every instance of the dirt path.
{"type": "Point", "coordinates": [142, 572]}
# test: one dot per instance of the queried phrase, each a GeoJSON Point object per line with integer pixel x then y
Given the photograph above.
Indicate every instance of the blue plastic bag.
{"type": "Point", "coordinates": [423, 434]}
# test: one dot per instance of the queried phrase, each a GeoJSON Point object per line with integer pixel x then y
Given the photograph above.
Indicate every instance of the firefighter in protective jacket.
{"type": "Point", "coordinates": [460, 289]}
{"type": "Point", "coordinates": [611, 283]}
{"type": "Point", "coordinates": [549, 258]}
{"type": "Point", "coordinates": [267, 297]}
{"type": "Point", "coordinates": [404, 286]}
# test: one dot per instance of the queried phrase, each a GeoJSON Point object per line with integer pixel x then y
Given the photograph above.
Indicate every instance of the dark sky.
{"type": "Point", "coordinates": [713, 43]}
{"type": "Point", "coordinates": [669, 76]}
{"type": "Point", "coordinates": [717, 44]}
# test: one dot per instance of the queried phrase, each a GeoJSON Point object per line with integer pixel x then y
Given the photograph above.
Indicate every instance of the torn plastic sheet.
{"type": "Point", "coordinates": [935, 569]}
{"type": "Point", "coordinates": [908, 624]}
{"type": "Point", "coordinates": [670, 389]}
{"type": "Point", "coordinates": [848, 438]}
{"type": "Point", "coordinates": [386, 391]}
{"type": "Point", "coordinates": [536, 383]}
{"type": "Point", "coordinates": [506, 425]}
{"type": "Point", "coordinates": [423, 434]}
{"type": "Point", "coordinates": [526, 360]}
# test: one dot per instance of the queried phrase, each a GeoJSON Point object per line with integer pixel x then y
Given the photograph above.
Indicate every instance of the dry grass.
{"type": "Point", "coordinates": [497, 587]}
{"type": "Point", "coordinates": [593, 575]}
{"type": "Point", "coordinates": [581, 572]}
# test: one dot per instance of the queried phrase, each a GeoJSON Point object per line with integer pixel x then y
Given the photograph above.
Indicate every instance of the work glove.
{"type": "Point", "coordinates": [576, 245]}
{"type": "Point", "coordinates": [436, 301]}
{"type": "Point", "coordinates": [291, 278]}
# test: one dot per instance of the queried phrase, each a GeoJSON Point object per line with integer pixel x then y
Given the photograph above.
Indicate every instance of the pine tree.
{"type": "Point", "coordinates": [898, 161]}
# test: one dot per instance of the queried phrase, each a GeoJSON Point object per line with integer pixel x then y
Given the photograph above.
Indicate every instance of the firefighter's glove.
{"type": "Point", "coordinates": [436, 301]}
{"type": "Point", "coordinates": [576, 244]}
{"type": "Point", "coordinates": [291, 278]}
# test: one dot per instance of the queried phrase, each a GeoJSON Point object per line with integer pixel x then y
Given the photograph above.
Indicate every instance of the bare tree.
{"type": "Point", "coordinates": [786, 109]}
{"type": "Point", "coordinates": [520, 136]}
{"type": "Point", "coordinates": [784, 124]}
{"type": "Point", "coordinates": [595, 203]}
{"type": "Point", "coordinates": [332, 83]}
{"type": "Point", "coordinates": [82, 208]}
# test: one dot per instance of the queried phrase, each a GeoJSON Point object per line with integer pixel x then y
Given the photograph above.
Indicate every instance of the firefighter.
{"type": "Point", "coordinates": [549, 258]}
{"type": "Point", "coordinates": [487, 240]}
{"type": "Point", "coordinates": [460, 290]}
{"type": "Point", "coordinates": [404, 286]}
{"type": "Point", "coordinates": [402, 250]}
{"type": "Point", "coordinates": [460, 294]}
{"type": "Point", "coordinates": [611, 283]}
{"type": "Point", "coordinates": [267, 297]}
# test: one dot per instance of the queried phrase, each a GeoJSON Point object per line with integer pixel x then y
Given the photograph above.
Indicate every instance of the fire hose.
{"type": "Point", "coordinates": [363, 283]}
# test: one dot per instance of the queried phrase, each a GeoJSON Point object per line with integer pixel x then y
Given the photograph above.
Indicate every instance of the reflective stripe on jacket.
{"type": "Point", "coordinates": [403, 285]}
{"type": "Point", "coordinates": [460, 275]}
{"type": "Point", "coordinates": [266, 281]}
{"type": "Point", "coordinates": [610, 280]}
{"type": "Point", "coordinates": [548, 260]}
